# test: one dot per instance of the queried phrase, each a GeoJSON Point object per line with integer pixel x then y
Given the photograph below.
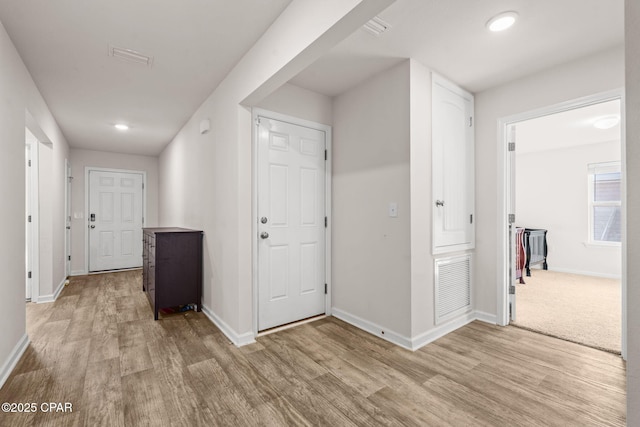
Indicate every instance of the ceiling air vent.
{"type": "Point", "coordinates": [376, 26]}
{"type": "Point", "coordinates": [130, 56]}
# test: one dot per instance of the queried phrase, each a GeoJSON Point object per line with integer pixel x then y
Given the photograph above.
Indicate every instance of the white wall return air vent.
{"type": "Point", "coordinates": [453, 287]}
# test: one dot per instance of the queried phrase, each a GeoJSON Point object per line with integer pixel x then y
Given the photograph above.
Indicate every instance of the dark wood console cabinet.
{"type": "Point", "coordinates": [172, 267]}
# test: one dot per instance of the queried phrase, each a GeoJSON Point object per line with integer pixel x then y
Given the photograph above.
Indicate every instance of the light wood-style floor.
{"type": "Point", "coordinates": [98, 348]}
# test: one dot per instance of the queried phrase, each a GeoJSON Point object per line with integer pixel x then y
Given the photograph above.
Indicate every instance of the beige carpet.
{"type": "Point", "coordinates": [582, 309]}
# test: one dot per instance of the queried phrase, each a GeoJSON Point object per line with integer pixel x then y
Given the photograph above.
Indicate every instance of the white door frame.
{"type": "Point", "coordinates": [257, 112]}
{"type": "Point", "coordinates": [87, 190]}
{"type": "Point", "coordinates": [502, 314]}
{"type": "Point", "coordinates": [67, 217]}
{"type": "Point", "coordinates": [34, 237]}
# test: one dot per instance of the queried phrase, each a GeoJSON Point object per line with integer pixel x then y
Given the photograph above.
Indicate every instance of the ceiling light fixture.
{"type": "Point", "coordinates": [502, 21]}
{"type": "Point", "coordinates": [121, 126]}
{"type": "Point", "coordinates": [606, 122]}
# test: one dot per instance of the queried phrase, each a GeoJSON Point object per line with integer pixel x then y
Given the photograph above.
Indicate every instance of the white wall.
{"type": "Point", "coordinates": [587, 76]}
{"type": "Point", "coordinates": [82, 158]}
{"type": "Point", "coordinates": [422, 268]}
{"type": "Point", "coordinates": [301, 103]}
{"type": "Point", "coordinates": [206, 179]}
{"type": "Point", "coordinates": [19, 96]}
{"type": "Point", "coordinates": [372, 251]}
{"type": "Point", "coordinates": [552, 193]}
{"type": "Point", "coordinates": [632, 36]}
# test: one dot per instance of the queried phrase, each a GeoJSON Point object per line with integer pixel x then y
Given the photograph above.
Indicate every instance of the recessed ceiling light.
{"type": "Point", "coordinates": [502, 21]}
{"type": "Point", "coordinates": [607, 122]}
{"type": "Point", "coordinates": [121, 126]}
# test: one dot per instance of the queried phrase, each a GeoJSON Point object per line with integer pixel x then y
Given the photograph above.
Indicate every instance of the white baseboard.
{"type": "Point", "coordinates": [238, 339]}
{"type": "Point", "coordinates": [372, 328]}
{"type": "Point", "coordinates": [54, 296]}
{"type": "Point", "coordinates": [486, 317]}
{"type": "Point", "coordinates": [442, 330]}
{"type": "Point", "coordinates": [78, 272]}
{"type": "Point", "coordinates": [421, 340]}
{"type": "Point", "coordinates": [581, 273]}
{"type": "Point", "coordinates": [13, 359]}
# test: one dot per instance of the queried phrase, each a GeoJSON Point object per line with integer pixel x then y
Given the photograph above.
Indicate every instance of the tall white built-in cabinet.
{"type": "Point", "coordinates": [453, 197]}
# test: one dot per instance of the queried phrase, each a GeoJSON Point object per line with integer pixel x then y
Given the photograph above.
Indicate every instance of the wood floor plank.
{"type": "Point", "coordinates": [135, 359]}
{"type": "Point", "coordinates": [104, 346]}
{"type": "Point", "coordinates": [348, 401]}
{"type": "Point", "coordinates": [406, 413]}
{"type": "Point", "coordinates": [99, 348]}
{"type": "Point", "coordinates": [217, 392]}
{"type": "Point", "coordinates": [142, 399]}
{"type": "Point", "coordinates": [241, 374]}
{"type": "Point", "coordinates": [355, 378]}
{"type": "Point", "coordinates": [102, 403]}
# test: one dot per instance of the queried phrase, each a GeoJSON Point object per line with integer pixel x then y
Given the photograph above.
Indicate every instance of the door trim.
{"type": "Point", "coordinates": [67, 217]}
{"type": "Point", "coordinates": [502, 312]}
{"type": "Point", "coordinates": [255, 114]}
{"type": "Point", "coordinates": [34, 208]}
{"type": "Point", "coordinates": [87, 190]}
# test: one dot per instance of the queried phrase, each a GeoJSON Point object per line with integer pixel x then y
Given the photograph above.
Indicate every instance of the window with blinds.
{"type": "Point", "coordinates": [605, 192]}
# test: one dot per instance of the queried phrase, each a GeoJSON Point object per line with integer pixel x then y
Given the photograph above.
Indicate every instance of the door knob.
{"type": "Point", "coordinates": [439, 203]}
{"type": "Point", "coordinates": [264, 235]}
{"type": "Point", "coordinates": [92, 226]}
{"type": "Point", "coordinates": [263, 220]}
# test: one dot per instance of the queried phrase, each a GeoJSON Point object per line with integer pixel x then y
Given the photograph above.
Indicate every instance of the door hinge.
{"type": "Point", "coordinates": [325, 288]}
{"type": "Point", "coordinates": [512, 290]}
{"type": "Point", "coordinates": [512, 146]}
{"type": "Point", "coordinates": [29, 218]}
{"type": "Point", "coordinates": [512, 218]}
{"type": "Point", "coordinates": [326, 155]}
{"type": "Point", "coordinates": [143, 185]}
{"type": "Point", "coordinates": [29, 163]}
{"type": "Point", "coordinates": [69, 257]}
{"type": "Point", "coordinates": [29, 275]}
{"type": "Point", "coordinates": [471, 219]}
{"type": "Point", "coordinates": [470, 121]}
{"type": "Point", "coordinates": [258, 120]}
{"type": "Point", "coordinates": [326, 222]}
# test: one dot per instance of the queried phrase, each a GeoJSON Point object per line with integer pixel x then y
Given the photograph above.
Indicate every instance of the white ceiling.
{"type": "Point", "coordinates": [195, 43]}
{"type": "Point", "coordinates": [450, 37]}
{"type": "Point", "coordinates": [567, 129]}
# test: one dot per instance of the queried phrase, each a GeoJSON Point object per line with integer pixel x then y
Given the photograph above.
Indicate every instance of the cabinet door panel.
{"type": "Point", "coordinates": [453, 167]}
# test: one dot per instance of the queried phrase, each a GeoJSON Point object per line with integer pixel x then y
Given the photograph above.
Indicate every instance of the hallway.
{"type": "Point", "coordinates": [98, 348]}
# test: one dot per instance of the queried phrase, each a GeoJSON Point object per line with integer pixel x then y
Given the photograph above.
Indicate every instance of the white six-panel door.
{"type": "Point", "coordinates": [291, 222]}
{"type": "Point", "coordinates": [115, 220]}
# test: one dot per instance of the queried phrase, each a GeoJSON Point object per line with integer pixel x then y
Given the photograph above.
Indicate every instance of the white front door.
{"type": "Point", "coordinates": [291, 222]}
{"type": "Point", "coordinates": [115, 220]}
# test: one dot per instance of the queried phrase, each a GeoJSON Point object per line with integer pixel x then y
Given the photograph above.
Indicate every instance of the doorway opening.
{"type": "Point", "coordinates": [565, 224]}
